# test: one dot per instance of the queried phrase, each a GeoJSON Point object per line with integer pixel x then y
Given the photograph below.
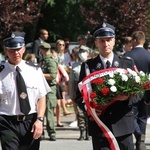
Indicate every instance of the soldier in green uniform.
{"type": "Point", "coordinates": [49, 67]}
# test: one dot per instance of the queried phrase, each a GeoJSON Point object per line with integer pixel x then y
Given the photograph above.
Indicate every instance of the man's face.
{"type": "Point", "coordinates": [44, 35]}
{"type": "Point", "coordinates": [105, 45]}
{"type": "Point", "coordinates": [15, 55]}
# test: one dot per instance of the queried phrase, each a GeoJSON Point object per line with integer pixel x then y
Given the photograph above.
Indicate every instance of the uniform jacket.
{"type": "Point", "coordinates": [119, 116]}
{"type": "Point", "coordinates": [141, 58]}
{"type": "Point", "coordinates": [49, 65]}
{"type": "Point", "coordinates": [35, 48]}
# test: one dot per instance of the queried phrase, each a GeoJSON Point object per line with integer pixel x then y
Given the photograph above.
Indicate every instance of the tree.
{"type": "Point", "coordinates": [126, 16]}
{"type": "Point", "coordinates": [63, 19]}
{"type": "Point", "coordinates": [15, 14]}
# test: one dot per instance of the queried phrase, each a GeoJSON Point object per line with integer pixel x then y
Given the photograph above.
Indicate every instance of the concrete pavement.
{"type": "Point", "coordinates": [67, 138]}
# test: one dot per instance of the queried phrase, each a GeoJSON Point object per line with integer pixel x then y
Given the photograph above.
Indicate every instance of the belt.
{"type": "Point", "coordinates": [20, 117]}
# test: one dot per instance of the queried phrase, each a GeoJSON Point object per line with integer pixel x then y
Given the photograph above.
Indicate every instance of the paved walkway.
{"type": "Point", "coordinates": [67, 138]}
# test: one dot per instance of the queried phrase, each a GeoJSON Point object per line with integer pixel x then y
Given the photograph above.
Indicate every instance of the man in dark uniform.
{"type": "Point", "coordinates": [22, 98]}
{"type": "Point", "coordinates": [49, 67]}
{"type": "Point", "coordinates": [141, 58]}
{"type": "Point", "coordinates": [118, 117]}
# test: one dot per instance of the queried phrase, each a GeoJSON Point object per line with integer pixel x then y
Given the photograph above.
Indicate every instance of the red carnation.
{"type": "Point", "coordinates": [94, 81]}
{"type": "Point", "coordinates": [93, 95]}
{"type": "Point", "coordinates": [105, 90]}
{"type": "Point", "coordinates": [100, 81]}
{"type": "Point", "coordinates": [93, 104]}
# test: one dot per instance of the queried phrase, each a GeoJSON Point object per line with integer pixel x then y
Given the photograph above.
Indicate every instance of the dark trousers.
{"type": "Point", "coordinates": [124, 142]}
{"type": "Point", "coordinates": [16, 135]}
{"type": "Point", "coordinates": [140, 117]}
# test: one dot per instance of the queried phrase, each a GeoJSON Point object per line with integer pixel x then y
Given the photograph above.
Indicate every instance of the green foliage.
{"type": "Point", "coordinates": [126, 16]}
{"type": "Point", "coordinates": [17, 13]}
{"type": "Point", "coordinates": [63, 19]}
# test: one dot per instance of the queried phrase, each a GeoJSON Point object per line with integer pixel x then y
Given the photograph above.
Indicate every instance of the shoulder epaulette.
{"type": "Point", "coordinates": [1, 67]}
{"type": "Point", "coordinates": [126, 57]}
{"type": "Point", "coordinates": [32, 64]}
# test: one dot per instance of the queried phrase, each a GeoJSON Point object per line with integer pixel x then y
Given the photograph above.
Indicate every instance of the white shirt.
{"type": "Point", "coordinates": [36, 84]}
{"type": "Point", "coordinates": [104, 60]}
{"type": "Point", "coordinates": [67, 59]}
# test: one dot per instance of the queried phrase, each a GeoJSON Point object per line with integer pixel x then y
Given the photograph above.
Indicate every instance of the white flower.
{"type": "Point", "coordinates": [111, 75]}
{"type": "Point", "coordinates": [111, 81]}
{"type": "Point", "coordinates": [137, 79]}
{"type": "Point", "coordinates": [133, 73]}
{"type": "Point", "coordinates": [142, 73]}
{"type": "Point", "coordinates": [113, 88]}
{"type": "Point", "coordinates": [120, 71]}
{"type": "Point", "coordinates": [124, 77]}
{"type": "Point", "coordinates": [149, 77]}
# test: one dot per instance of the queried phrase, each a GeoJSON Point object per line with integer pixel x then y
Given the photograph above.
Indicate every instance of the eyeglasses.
{"type": "Point", "coordinates": [61, 44]}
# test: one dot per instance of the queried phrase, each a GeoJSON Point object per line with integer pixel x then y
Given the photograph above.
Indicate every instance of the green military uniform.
{"type": "Point", "coordinates": [49, 65]}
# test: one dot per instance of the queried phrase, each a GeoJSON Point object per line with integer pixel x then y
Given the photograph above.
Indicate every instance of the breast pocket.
{"type": "Point", "coordinates": [5, 94]}
{"type": "Point", "coordinates": [32, 91]}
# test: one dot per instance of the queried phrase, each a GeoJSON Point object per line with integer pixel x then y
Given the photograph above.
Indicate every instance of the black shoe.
{"type": "Point", "coordinates": [52, 138]}
{"type": "Point", "coordinates": [87, 138]}
{"type": "Point", "coordinates": [60, 125]}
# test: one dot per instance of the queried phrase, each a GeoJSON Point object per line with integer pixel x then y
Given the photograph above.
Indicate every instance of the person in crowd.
{"type": "Point", "coordinates": [49, 66]}
{"type": "Point", "coordinates": [31, 57]}
{"type": "Point", "coordinates": [60, 49]}
{"type": "Point", "coordinates": [127, 45]}
{"type": "Point", "coordinates": [118, 117]}
{"type": "Point", "coordinates": [81, 117]}
{"type": "Point", "coordinates": [67, 54]}
{"type": "Point", "coordinates": [81, 40]}
{"type": "Point", "coordinates": [148, 46]}
{"type": "Point", "coordinates": [43, 36]}
{"type": "Point", "coordinates": [22, 98]}
{"type": "Point", "coordinates": [71, 92]}
{"type": "Point", "coordinates": [140, 108]}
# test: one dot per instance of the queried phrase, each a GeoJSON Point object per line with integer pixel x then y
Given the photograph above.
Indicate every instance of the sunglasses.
{"type": "Point", "coordinates": [61, 44]}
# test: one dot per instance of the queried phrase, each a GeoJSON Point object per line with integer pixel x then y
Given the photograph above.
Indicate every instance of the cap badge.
{"type": "Point", "coordinates": [23, 95]}
{"type": "Point", "coordinates": [12, 35]}
{"type": "Point", "coordinates": [104, 25]}
{"type": "Point", "coordinates": [116, 63]}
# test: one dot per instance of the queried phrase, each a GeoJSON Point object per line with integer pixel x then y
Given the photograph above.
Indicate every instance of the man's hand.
{"type": "Point", "coordinates": [147, 103]}
{"type": "Point", "coordinates": [37, 129]}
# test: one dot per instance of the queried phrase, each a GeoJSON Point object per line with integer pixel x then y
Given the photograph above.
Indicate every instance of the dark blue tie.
{"type": "Point", "coordinates": [22, 93]}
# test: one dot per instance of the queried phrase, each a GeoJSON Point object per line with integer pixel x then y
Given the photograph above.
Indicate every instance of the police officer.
{"type": "Point", "coordinates": [118, 117]}
{"type": "Point", "coordinates": [21, 125]}
{"type": "Point", "coordinates": [49, 67]}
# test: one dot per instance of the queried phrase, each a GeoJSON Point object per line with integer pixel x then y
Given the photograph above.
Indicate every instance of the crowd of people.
{"type": "Point", "coordinates": [52, 85]}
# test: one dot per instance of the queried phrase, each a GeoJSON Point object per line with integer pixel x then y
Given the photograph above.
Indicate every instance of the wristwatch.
{"type": "Point", "coordinates": [41, 119]}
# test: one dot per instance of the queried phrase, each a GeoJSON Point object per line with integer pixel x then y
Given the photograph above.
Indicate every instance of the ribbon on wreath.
{"type": "Point", "coordinates": [85, 88]}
